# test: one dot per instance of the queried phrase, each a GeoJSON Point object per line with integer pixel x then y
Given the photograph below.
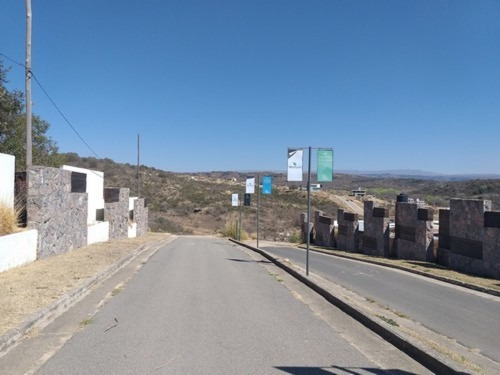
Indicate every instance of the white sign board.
{"type": "Point", "coordinates": [234, 200]}
{"type": "Point", "coordinates": [250, 185]}
{"type": "Point", "coordinates": [294, 165]}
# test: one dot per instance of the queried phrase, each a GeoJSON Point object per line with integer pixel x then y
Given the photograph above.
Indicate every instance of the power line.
{"type": "Point", "coordinates": [60, 112]}
{"type": "Point", "coordinates": [15, 62]}
{"type": "Point", "coordinates": [55, 105]}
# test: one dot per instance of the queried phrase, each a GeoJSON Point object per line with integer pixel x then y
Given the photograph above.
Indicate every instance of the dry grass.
{"type": "Point", "coordinates": [456, 357]}
{"type": "Point", "coordinates": [27, 289]}
{"type": "Point", "coordinates": [9, 218]}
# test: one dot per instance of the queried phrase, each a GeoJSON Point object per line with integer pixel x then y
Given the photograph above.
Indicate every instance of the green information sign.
{"type": "Point", "coordinates": [325, 165]}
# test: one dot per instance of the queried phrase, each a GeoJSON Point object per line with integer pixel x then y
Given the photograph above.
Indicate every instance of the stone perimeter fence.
{"type": "Point", "coordinates": [66, 209]}
{"type": "Point", "coordinates": [468, 239]}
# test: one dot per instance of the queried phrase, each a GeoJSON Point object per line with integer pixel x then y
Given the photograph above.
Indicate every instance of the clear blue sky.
{"type": "Point", "coordinates": [229, 85]}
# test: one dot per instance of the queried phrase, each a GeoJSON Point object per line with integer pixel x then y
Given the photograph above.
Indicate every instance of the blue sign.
{"type": "Point", "coordinates": [267, 183]}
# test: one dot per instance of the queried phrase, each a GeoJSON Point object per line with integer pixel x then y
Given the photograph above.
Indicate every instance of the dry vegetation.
{"type": "Point", "coordinates": [200, 203]}
{"type": "Point", "coordinates": [9, 218]}
{"type": "Point", "coordinates": [27, 289]}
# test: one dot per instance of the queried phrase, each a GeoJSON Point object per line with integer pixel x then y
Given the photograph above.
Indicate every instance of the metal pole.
{"type": "Point", "coordinates": [29, 143]}
{"type": "Point", "coordinates": [239, 232]}
{"type": "Point", "coordinates": [138, 166]}
{"type": "Point", "coordinates": [258, 207]}
{"type": "Point", "coordinates": [236, 227]}
{"type": "Point", "coordinates": [308, 210]}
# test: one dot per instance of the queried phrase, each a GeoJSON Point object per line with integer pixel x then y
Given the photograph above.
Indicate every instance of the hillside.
{"type": "Point", "coordinates": [200, 203]}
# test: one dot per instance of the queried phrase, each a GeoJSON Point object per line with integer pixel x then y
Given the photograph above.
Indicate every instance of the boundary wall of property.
{"type": "Point", "coordinates": [67, 208]}
{"type": "Point", "coordinates": [468, 241]}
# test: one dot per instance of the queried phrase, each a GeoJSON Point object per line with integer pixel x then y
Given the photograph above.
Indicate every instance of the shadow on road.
{"type": "Point", "coordinates": [331, 370]}
{"type": "Point", "coordinates": [248, 261]}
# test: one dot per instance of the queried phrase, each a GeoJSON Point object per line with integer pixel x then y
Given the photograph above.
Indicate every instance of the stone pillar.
{"type": "Point", "coordinates": [414, 238]}
{"type": "Point", "coordinates": [491, 244]}
{"type": "Point", "coordinates": [305, 229]}
{"type": "Point", "coordinates": [141, 212]}
{"type": "Point", "coordinates": [467, 237]}
{"type": "Point", "coordinates": [116, 204]}
{"type": "Point", "coordinates": [324, 230]}
{"type": "Point", "coordinates": [59, 215]}
{"type": "Point", "coordinates": [348, 231]}
{"type": "Point", "coordinates": [376, 233]}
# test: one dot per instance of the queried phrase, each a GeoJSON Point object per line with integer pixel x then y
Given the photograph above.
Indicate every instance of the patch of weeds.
{"type": "Point", "coordinates": [385, 307]}
{"type": "Point", "coordinates": [277, 277]}
{"type": "Point", "coordinates": [401, 315]}
{"type": "Point", "coordinates": [371, 300]}
{"type": "Point", "coordinates": [86, 322]}
{"type": "Point", "coordinates": [388, 320]}
{"type": "Point", "coordinates": [117, 290]}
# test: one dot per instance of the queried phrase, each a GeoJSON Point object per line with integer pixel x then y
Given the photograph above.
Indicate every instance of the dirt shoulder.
{"type": "Point", "coordinates": [27, 289]}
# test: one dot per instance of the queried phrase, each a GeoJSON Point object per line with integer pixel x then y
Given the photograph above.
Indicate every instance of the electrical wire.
{"type": "Point", "coordinates": [60, 112]}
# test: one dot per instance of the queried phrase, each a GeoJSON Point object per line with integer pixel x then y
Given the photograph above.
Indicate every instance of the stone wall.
{"type": "Point", "coordinates": [324, 234]}
{"type": "Point", "coordinates": [414, 237]}
{"type": "Point", "coordinates": [59, 215]}
{"type": "Point", "coordinates": [376, 231]}
{"type": "Point", "coordinates": [141, 213]}
{"type": "Point", "coordinates": [116, 204]}
{"type": "Point", "coordinates": [469, 237]}
{"type": "Point", "coordinates": [348, 232]}
{"type": "Point", "coordinates": [303, 220]}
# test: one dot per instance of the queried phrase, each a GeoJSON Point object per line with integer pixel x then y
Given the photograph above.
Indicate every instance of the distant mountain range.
{"type": "Point", "coordinates": [424, 175]}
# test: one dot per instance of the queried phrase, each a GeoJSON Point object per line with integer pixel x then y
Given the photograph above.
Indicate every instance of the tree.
{"type": "Point", "coordinates": [13, 130]}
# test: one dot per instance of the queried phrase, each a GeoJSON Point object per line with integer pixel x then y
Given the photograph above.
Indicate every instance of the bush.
{"type": "Point", "coordinates": [9, 219]}
{"type": "Point", "coordinates": [231, 229]}
{"type": "Point", "coordinates": [295, 237]}
{"type": "Point", "coordinates": [163, 224]}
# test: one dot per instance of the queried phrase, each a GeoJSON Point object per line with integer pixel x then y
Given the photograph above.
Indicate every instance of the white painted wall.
{"type": "Point", "coordinates": [132, 230]}
{"type": "Point", "coordinates": [7, 169]}
{"type": "Point", "coordinates": [131, 203]}
{"type": "Point", "coordinates": [98, 232]}
{"type": "Point", "coordinates": [95, 190]}
{"type": "Point", "coordinates": [17, 249]}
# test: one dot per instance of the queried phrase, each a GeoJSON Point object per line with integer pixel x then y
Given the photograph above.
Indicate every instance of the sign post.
{"type": "Point", "coordinates": [235, 203]}
{"type": "Point", "coordinates": [325, 168]}
{"type": "Point", "coordinates": [266, 189]}
{"type": "Point", "coordinates": [240, 226]}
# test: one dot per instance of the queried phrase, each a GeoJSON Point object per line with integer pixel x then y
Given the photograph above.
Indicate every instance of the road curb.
{"type": "Point", "coordinates": [419, 353]}
{"type": "Point", "coordinates": [463, 284]}
{"type": "Point", "coordinates": [45, 316]}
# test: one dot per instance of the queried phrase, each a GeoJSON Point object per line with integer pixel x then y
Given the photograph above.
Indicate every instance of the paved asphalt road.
{"type": "Point", "coordinates": [202, 306]}
{"type": "Point", "coordinates": [470, 317]}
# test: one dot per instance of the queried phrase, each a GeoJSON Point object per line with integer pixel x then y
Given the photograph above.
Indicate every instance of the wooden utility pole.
{"type": "Point", "coordinates": [138, 166]}
{"type": "Point", "coordinates": [29, 143]}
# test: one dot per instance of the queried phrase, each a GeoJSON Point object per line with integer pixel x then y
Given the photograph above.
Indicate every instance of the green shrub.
{"type": "Point", "coordinates": [295, 237]}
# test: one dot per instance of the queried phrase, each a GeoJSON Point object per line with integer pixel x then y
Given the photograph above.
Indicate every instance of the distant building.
{"type": "Point", "coordinates": [315, 187]}
{"type": "Point", "coordinates": [358, 192]}
{"type": "Point", "coordinates": [417, 201]}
